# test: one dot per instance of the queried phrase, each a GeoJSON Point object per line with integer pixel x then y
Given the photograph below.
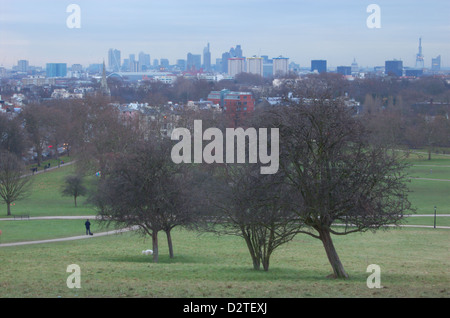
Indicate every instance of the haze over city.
{"type": "Point", "coordinates": [301, 30]}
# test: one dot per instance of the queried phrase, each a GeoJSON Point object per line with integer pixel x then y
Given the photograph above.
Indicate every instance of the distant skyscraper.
{"type": "Point", "coordinates": [319, 66]}
{"type": "Point", "coordinates": [114, 60]}
{"type": "Point", "coordinates": [344, 70]}
{"type": "Point", "coordinates": [181, 64]}
{"type": "Point", "coordinates": [194, 62]}
{"type": "Point", "coordinates": [238, 51]}
{"type": "Point", "coordinates": [393, 68]}
{"type": "Point", "coordinates": [280, 65]}
{"type": "Point", "coordinates": [207, 58]}
{"type": "Point", "coordinates": [255, 65]}
{"type": "Point", "coordinates": [355, 67]}
{"type": "Point", "coordinates": [22, 66]}
{"type": "Point", "coordinates": [436, 64]}
{"type": "Point", "coordinates": [164, 63]}
{"type": "Point", "coordinates": [225, 57]}
{"type": "Point", "coordinates": [144, 61]}
{"type": "Point", "coordinates": [56, 70]}
{"type": "Point", "coordinates": [419, 57]}
{"type": "Point", "coordinates": [236, 65]}
{"type": "Point", "coordinates": [77, 68]}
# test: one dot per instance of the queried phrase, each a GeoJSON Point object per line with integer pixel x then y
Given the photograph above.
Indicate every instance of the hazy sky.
{"type": "Point", "coordinates": [302, 30]}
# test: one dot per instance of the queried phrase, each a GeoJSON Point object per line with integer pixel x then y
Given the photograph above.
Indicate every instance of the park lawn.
{"type": "Point", "coordinates": [33, 230]}
{"type": "Point", "coordinates": [46, 198]}
{"type": "Point", "coordinates": [426, 194]}
{"type": "Point", "coordinates": [413, 262]}
{"type": "Point", "coordinates": [428, 220]}
{"type": "Point", "coordinates": [430, 172]}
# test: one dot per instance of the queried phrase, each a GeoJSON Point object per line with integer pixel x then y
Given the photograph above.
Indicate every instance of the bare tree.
{"type": "Point", "coordinates": [14, 184]}
{"type": "Point", "coordinates": [245, 203]}
{"type": "Point", "coordinates": [336, 174]}
{"type": "Point", "coordinates": [74, 187]}
{"type": "Point", "coordinates": [145, 188]}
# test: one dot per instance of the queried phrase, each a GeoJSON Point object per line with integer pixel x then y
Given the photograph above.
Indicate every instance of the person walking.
{"type": "Point", "coordinates": [88, 227]}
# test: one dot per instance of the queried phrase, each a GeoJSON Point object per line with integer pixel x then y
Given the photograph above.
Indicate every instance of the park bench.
{"type": "Point", "coordinates": [21, 216]}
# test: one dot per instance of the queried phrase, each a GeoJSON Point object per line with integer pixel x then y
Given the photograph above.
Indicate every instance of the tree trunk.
{"type": "Point", "coordinates": [75, 200]}
{"type": "Point", "coordinates": [155, 246]}
{"type": "Point", "coordinates": [265, 262]}
{"type": "Point", "coordinates": [333, 258]}
{"type": "Point", "coordinates": [8, 208]}
{"type": "Point", "coordinates": [255, 258]}
{"type": "Point", "coordinates": [169, 242]}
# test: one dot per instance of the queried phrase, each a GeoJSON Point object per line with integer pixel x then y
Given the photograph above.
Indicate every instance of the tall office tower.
{"type": "Point", "coordinates": [22, 65]}
{"type": "Point", "coordinates": [238, 51]}
{"type": "Point", "coordinates": [56, 70]}
{"type": "Point", "coordinates": [419, 57]}
{"type": "Point", "coordinates": [344, 70]}
{"type": "Point", "coordinates": [194, 62]}
{"type": "Point", "coordinates": [255, 65]}
{"type": "Point", "coordinates": [280, 65]}
{"type": "Point", "coordinates": [236, 65]}
{"type": "Point", "coordinates": [355, 67]}
{"type": "Point", "coordinates": [225, 57]}
{"type": "Point", "coordinates": [218, 65]}
{"type": "Point", "coordinates": [155, 63]}
{"type": "Point", "coordinates": [114, 60]}
{"type": "Point", "coordinates": [77, 68]}
{"type": "Point", "coordinates": [181, 64]}
{"type": "Point", "coordinates": [319, 66]}
{"type": "Point", "coordinates": [144, 61]}
{"type": "Point", "coordinates": [207, 58]}
{"type": "Point", "coordinates": [132, 59]}
{"type": "Point", "coordinates": [436, 64]}
{"type": "Point", "coordinates": [164, 63]}
{"type": "Point", "coordinates": [393, 68]}
{"type": "Point", "coordinates": [232, 52]}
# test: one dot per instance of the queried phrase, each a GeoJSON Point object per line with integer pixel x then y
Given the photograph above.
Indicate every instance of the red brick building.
{"type": "Point", "coordinates": [238, 105]}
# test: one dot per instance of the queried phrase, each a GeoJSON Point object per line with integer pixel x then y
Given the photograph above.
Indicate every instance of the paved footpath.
{"type": "Point", "coordinates": [92, 217]}
{"type": "Point", "coordinates": [71, 238]}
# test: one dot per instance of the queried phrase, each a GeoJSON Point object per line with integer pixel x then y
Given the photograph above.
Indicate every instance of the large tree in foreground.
{"type": "Point", "coordinates": [14, 184]}
{"type": "Point", "coordinates": [344, 185]}
{"type": "Point", "coordinates": [251, 205]}
{"type": "Point", "coordinates": [145, 189]}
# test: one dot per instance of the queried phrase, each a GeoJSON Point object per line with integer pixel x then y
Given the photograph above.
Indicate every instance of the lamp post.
{"type": "Point", "coordinates": [434, 216]}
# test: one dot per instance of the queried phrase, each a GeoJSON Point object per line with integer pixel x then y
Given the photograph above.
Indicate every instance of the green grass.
{"type": "Point", "coordinates": [427, 194]}
{"type": "Point", "coordinates": [46, 198]}
{"type": "Point", "coordinates": [414, 263]}
{"type": "Point", "coordinates": [32, 230]}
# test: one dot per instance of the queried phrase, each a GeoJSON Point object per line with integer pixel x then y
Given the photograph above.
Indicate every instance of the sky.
{"type": "Point", "coordinates": [303, 30]}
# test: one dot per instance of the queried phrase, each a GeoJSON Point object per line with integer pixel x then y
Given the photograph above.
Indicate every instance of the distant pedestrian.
{"type": "Point", "coordinates": [88, 227]}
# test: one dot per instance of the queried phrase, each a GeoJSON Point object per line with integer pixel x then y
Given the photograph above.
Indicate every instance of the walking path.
{"type": "Point", "coordinates": [80, 237]}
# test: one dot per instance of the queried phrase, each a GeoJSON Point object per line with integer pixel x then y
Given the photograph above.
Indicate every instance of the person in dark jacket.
{"type": "Point", "coordinates": [88, 227]}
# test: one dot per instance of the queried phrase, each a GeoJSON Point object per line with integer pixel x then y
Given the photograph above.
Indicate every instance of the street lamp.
{"type": "Point", "coordinates": [434, 216]}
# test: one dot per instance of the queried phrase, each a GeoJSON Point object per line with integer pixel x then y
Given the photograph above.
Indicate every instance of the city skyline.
{"type": "Point", "coordinates": [335, 31]}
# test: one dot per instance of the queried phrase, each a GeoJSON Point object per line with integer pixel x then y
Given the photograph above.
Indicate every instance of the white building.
{"type": "Point", "coordinates": [280, 65]}
{"type": "Point", "coordinates": [255, 65]}
{"type": "Point", "coordinates": [236, 65]}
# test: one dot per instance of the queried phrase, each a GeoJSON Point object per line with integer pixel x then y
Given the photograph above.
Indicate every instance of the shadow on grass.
{"type": "Point", "coordinates": [207, 269]}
